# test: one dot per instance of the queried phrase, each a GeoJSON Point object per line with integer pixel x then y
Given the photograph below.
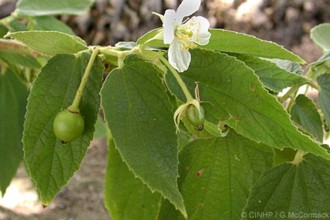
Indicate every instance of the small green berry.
{"type": "Point", "coordinates": [68, 126]}
{"type": "Point", "coordinates": [195, 116]}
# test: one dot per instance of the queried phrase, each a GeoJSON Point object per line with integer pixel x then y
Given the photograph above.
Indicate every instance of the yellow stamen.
{"type": "Point", "coordinates": [185, 35]}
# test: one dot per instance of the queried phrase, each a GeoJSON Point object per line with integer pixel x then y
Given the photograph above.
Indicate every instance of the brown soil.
{"type": "Point", "coordinates": [81, 199]}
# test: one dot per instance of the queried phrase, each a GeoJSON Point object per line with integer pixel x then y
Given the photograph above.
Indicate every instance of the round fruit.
{"type": "Point", "coordinates": [68, 126]}
{"type": "Point", "coordinates": [195, 116]}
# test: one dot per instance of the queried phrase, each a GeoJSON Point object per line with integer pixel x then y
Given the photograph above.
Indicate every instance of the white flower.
{"type": "Point", "coordinates": [183, 36]}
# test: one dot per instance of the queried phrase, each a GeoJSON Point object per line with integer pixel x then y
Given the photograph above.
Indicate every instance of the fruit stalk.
{"type": "Point", "coordinates": [178, 78]}
{"type": "Point", "coordinates": [74, 107]}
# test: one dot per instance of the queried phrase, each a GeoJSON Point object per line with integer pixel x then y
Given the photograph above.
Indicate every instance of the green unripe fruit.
{"type": "Point", "coordinates": [196, 117]}
{"type": "Point", "coordinates": [68, 126]}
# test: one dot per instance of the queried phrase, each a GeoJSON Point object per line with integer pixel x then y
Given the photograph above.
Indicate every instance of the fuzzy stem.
{"type": "Point", "coordinates": [291, 102]}
{"type": "Point", "coordinates": [178, 78]}
{"type": "Point", "coordinates": [112, 51]}
{"type": "Point", "coordinates": [314, 85]}
{"type": "Point", "coordinates": [74, 107]}
{"type": "Point", "coordinates": [288, 94]}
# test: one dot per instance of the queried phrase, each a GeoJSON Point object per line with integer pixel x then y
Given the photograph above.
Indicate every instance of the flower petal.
{"type": "Point", "coordinates": [178, 57]}
{"type": "Point", "coordinates": [197, 23]}
{"type": "Point", "coordinates": [187, 8]}
{"type": "Point", "coordinates": [203, 38]}
{"type": "Point", "coordinates": [169, 23]}
{"type": "Point", "coordinates": [200, 26]}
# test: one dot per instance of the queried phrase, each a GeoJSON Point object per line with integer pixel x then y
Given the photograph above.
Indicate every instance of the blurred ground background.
{"type": "Point", "coordinates": [287, 22]}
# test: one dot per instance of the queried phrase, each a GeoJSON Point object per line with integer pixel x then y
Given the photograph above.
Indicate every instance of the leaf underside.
{"type": "Point", "coordinates": [50, 7]}
{"type": "Point", "coordinates": [305, 113]}
{"type": "Point", "coordinates": [324, 95]}
{"type": "Point", "coordinates": [320, 36]}
{"type": "Point", "coordinates": [272, 76]}
{"type": "Point", "coordinates": [50, 42]}
{"type": "Point", "coordinates": [231, 42]}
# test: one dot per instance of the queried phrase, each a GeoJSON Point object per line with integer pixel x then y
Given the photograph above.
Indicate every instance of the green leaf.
{"type": "Point", "coordinates": [173, 87]}
{"type": "Point", "coordinates": [20, 59]}
{"type": "Point", "coordinates": [13, 46]}
{"type": "Point", "coordinates": [126, 197]}
{"type": "Point", "coordinates": [320, 67]}
{"type": "Point", "coordinates": [51, 163]}
{"type": "Point", "coordinates": [100, 128]}
{"type": "Point", "coordinates": [16, 24]}
{"type": "Point", "coordinates": [49, 23]}
{"type": "Point", "coordinates": [272, 76]}
{"type": "Point", "coordinates": [231, 42]}
{"type": "Point", "coordinates": [216, 175]}
{"type": "Point", "coordinates": [320, 35]}
{"type": "Point", "coordinates": [287, 65]}
{"type": "Point", "coordinates": [167, 211]}
{"type": "Point", "coordinates": [13, 94]}
{"type": "Point", "coordinates": [3, 30]}
{"type": "Point", "coordinates": [324, 95]}
{"type": "Point", "coordinates": [140, 117]}
{"type": "Point", "coordinates": [51, 7]}
{"type": "Point", "coordinates": [184, 137]}
{"type": "Point", "coordinates": [153, 38]}
{"type": "Point", "coordinates": [305, 114]}
{"type": "Point", "coordinates": [50, 42]}
{"type": "Point", "coordinates": [283, 156]}
{"type": "Point", "coordinates": [228, 84]}
{"type": "Point", "coordinates": [290, 189]}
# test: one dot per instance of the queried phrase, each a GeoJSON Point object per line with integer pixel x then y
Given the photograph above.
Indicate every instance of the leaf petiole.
{"type": "Point", "coordinates": [299, 157]}
{"type": "Point", "coordinates": [314, 85]}
{"type": "Point", "coordinates": [288, 94]}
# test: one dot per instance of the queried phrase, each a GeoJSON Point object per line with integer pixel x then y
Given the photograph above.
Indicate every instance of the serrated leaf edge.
{"type": "Point", "coordinates": [299, 59]}
{"type": "Point", "coordinates": [181, 209]}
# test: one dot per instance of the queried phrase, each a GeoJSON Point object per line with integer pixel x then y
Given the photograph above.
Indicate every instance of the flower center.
{"type": "Point", "coordinates": [185, 35]}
